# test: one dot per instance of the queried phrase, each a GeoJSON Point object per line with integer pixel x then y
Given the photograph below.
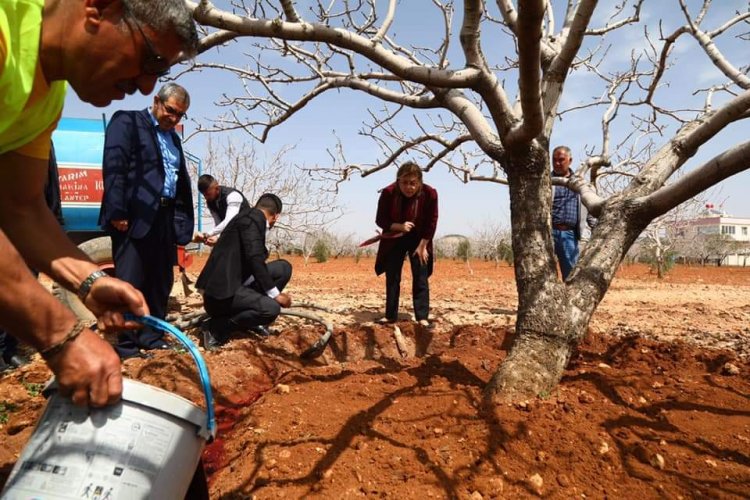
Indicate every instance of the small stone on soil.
{"type": "Point", "coordinates": [536, 482]}
{"type": "Point", "coordinates": [282, 389]}
{"type": "Point", "coordinates": [730, 369]}
{"type": "Point", "coordinates": [657, 461]}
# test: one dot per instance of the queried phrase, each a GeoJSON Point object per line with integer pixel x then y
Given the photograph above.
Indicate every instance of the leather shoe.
{"type": "Point", "coordinates": [15, 361]}
{"type": "Point", "coordinates": [262, 331]}
{"type": "Point", "coordinates": [210, 342]}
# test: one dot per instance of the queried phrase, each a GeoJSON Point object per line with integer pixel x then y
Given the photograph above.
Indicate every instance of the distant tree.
{"type": "Point", "coordinates": [662, 237]}
{"type": "Point", "coordinates": [447, 246]}
{"type": "Point", "coordinates": [463, 252]}
{"type": "Point", "coordinates": [321, 250]}
{"type": "Point", "coordinates": [721, 246]}
{"type": "Point", "coordinates": [309, 205]}
{"type": "Point", "coordinates": [493, 241]}
{"type": "Point", "coordinates": [342, 245]}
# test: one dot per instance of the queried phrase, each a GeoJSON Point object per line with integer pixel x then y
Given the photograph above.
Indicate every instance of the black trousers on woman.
{"type": "Point", "coordinates": [420, 287]}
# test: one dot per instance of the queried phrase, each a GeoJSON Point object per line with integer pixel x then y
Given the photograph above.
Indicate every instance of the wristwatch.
{"type": "Point", "coordinates": [86, 285]}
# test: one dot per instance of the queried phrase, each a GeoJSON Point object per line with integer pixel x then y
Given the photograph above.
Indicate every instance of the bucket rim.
{"type": "Point", "coordinates": [164, 401]}
{"type": "Point", "coordinates": [156, 398]}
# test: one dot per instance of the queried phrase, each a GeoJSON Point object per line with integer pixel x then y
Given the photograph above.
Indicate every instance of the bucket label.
{"type": "Point", "coordinates": [114, 453]}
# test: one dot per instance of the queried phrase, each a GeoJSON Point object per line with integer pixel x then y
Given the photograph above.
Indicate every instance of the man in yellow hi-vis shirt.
{"type": "Point", "coordinates": [104, 49]}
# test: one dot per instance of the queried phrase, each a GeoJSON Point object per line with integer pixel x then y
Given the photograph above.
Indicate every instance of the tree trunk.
{"type": "Point", "coordinates": [552, 316]}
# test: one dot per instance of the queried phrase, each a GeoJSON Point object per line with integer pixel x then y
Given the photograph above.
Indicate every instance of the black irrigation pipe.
{"type": "Point", "coordinates": [320, 345]}
{"type": "Point", "coordinates": [183, 321]}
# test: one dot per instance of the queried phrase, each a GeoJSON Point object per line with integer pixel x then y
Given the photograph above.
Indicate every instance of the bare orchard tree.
{"type": "Point", "coordinates": [464, 120]}
{"type": "Point", "coordinates": [663, 236]}
{"type": "Point", "coordinates": [493, 242]}
{"type": "Point", "coordinates": [308, 206]}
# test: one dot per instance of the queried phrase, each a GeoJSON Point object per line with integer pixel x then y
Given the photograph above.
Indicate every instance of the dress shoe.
{"type": "Point", "coordinates": [210, 342]}
{"type": "Point", "coordinates": [262, 331]}
{"type": "Point", "coordinates": [16, 361]}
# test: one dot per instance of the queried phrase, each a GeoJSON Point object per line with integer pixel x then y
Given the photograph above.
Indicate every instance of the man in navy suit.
{"type": "Point", "coordinates": [147, 206]}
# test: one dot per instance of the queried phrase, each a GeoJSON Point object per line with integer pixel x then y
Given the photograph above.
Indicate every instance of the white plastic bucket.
{"type": "Point", "coordinates": [146, 446]}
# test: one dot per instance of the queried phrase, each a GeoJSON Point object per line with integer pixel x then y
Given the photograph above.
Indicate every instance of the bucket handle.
{"type": "Point", "coordinates": [209, 433]}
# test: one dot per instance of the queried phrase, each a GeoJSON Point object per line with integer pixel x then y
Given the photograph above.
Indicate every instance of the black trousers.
{"type": "Point", "coordinates": [420, 287]}
{"type": "Point", "coordinates": [250, 306]}
{"type": "Point", "coordinates": [8, 345]}
{"type": "Point", "coordinates": [148, 265]}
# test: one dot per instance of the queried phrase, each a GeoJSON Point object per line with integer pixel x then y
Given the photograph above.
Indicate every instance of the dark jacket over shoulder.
{"type": "Point", "coordinates": [133, 171]}
{"type": "Point", "coordinates": [240, 253]}
{"type": "Point", "coordinates": [425, 221]}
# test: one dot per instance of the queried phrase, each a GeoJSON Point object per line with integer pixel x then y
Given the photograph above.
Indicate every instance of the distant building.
{"type": "Point", "coordinates": [715, 237]}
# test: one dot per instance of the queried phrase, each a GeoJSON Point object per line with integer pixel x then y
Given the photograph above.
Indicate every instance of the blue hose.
{"type": "Point", "coordinates": [202, 369]}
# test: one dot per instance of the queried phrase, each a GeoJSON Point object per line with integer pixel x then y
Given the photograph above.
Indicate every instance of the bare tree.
{"type": "Point", "coordinates": [308, 206]}
{"type": "Point", "coordinates": [492, 241]}
{"type": "Point", "coordinates": [665, 233]}
{"type": "Point", "coordinates": [466, 122]}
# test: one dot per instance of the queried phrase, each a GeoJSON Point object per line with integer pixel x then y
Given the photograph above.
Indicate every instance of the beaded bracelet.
{"type": "Point", "coordinates": [49, 352]}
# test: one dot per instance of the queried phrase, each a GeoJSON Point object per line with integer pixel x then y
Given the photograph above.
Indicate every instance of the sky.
{"type": "Point", "coordinates": [464, 208]}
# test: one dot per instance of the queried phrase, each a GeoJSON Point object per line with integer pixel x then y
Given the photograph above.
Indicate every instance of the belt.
{"type": "Point", "coordinates": [166, 202]}
{"type": "Point", "coordinates": [562, 227]}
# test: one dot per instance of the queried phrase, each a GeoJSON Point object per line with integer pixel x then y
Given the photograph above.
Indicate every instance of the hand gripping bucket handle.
{"type": "Point", "coordinates": [209, 432]}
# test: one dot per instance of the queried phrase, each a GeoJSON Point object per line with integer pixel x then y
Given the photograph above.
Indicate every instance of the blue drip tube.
{"type": "Point", "coordinates": [202, 369]}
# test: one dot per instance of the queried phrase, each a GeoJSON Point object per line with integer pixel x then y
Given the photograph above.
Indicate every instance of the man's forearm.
{"type": "Point", "coordinates": [31, 226]}
{"type": "Point", "coordinates": [27, 310]}
{"type": "Point", "coordinates": [36, 234]}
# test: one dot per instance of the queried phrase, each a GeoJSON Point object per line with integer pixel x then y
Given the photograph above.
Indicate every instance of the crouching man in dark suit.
{"type": "Point", "coordinates": [241, 291]}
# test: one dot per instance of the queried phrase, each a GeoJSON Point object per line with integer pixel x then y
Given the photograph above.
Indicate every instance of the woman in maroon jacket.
{"type": "Point", "coordinates": [408, 214]}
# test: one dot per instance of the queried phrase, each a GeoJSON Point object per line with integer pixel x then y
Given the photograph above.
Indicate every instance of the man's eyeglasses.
{"type": "Point", "coordinates": [153, 64]}
{"type": "Point", "coordinates": [171, 111]}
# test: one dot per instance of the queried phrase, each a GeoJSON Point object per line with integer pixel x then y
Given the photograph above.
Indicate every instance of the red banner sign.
{"type": "Point", "coordinates": [80, 184]}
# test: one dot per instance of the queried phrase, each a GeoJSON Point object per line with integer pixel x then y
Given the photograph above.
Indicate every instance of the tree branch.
{"type": "Point", "coordinates": [572, 43]}
{"type": "Point", "coordinates": [289, 11]}
{"type": "Point", "coordinates": [469, 35]}
{"type": "Point", "coordinates": [215, 39]}
{"type": "Point", "coordinates": [618, 24]}
{"type": "Point", "coordinates": [386, 23]}
{"type": "Point", "coordinates": [713, 52]}
{"type": "Point", "coordinates": [510, 16]}
{"type": "Point", "coordinates": [730, 112]}
{"type": "Point", "coordinates": [531, 15]}
{"type": "Point", "coordinates": [208, 15]}
{"type": "Point", "coordinates": [475, 122]}
{"type": "Point", "coordinates": [726, 164]}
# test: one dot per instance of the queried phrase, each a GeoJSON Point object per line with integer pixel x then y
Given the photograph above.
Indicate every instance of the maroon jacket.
{"type": "Point", "coordinates": [421, 209]}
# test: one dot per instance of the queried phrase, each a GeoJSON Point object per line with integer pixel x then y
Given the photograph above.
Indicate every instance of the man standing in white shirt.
{"type": "Point", "coordinates": [223, 202]}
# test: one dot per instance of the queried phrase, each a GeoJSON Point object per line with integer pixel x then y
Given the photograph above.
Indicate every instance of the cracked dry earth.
{"type": "Point", "coordinates": [656, 404]}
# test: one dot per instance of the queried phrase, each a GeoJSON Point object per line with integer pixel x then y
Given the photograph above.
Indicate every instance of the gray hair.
{"type": "Point", "coordinates": [165, 16]}
{"type": "Point", "coordinates": [171, 89]}
{"type": "Point", "coordinates": [564, 149]}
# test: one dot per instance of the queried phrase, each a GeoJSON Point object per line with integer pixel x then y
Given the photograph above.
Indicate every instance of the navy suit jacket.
{"type": "Point", "coordinates": [133, 172]}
